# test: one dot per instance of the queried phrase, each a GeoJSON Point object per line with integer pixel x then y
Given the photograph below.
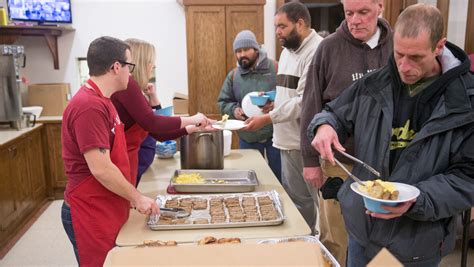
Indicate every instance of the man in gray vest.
{"type": "Point", "coordinates": [254, 72]}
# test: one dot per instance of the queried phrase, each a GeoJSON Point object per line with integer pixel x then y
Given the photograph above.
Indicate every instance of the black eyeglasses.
{"type": "Point", "coordinates": [131, 66]}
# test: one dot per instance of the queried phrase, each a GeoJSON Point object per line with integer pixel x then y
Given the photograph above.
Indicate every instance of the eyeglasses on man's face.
{"type": "Point", "coordinates": [131, 66]}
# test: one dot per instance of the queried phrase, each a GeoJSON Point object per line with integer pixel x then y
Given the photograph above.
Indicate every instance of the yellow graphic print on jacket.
{"type": "Point", "coordinates": [402, 136]}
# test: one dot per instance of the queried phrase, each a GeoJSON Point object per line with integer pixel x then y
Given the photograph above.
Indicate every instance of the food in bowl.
{"type": "Point", "coordinates": [189, 178]}
{"type": "Point", "coordinates": [380, 190]}
{"type": "Point", "coordinates": [406, 193]}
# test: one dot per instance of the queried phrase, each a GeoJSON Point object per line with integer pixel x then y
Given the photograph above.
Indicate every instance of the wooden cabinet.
{"type": "Point", "coordinates": [211, 26]}
{"type": "Point", "coordinates": [57, 179]}
{"type": "Point", "coordinates": [21, 173]}
{"type": "Point", "coordinates": [7, 194]}
{"type": "Point", "coordinates": [22, 183]}
{"type": "Point", "coordinates": [37, 166]}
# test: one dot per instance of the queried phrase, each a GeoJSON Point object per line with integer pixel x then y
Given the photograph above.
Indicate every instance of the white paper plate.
{"type": "Point", "coordinates": [230, 125]}
{"type": "Point", "coordinates": [406, 192]}
{"type": "Point", "coordinates": [250, 109]}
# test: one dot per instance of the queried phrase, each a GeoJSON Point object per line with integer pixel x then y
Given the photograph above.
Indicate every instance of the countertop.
{"type": "Point", "coordinates": [50, 119]}
{"type": "Point", "coordinates": [8, 134]}
{"type": "Point", "coordinates": [157, 177]}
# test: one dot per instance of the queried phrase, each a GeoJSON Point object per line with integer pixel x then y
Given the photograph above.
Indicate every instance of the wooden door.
{"type": "Point", "coordinates": [205, 32]}
{"type": "Point", "coordinates": [240, 18]}
{"type": "Point", "coordinates": [37, 172]}
{"type": "Point", "coordinates": [7, 193]}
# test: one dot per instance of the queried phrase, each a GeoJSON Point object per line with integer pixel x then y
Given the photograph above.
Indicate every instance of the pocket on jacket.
{"type": "Point", "coordinates": [415, 241]}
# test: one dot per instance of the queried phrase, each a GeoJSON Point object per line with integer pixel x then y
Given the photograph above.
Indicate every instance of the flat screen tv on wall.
{"type": "Point", "coordinates": [41, 11]}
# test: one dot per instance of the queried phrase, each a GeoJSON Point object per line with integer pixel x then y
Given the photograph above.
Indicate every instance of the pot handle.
{"type": "Point", "coordinates": [207, 134]}
{"type": "Point", "coordinates": [204, 134]}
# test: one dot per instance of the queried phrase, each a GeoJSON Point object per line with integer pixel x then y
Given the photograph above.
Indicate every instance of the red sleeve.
{"type": "Point", "coordinates": [92, 130]}
{"type": "Point", "coordinates": [163, 136]}
{"type": "Point", "coordinates": [133, 108]}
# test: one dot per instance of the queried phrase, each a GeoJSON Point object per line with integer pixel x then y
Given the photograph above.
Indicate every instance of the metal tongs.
{"type": "Point", "coordinates": [177, 212]}
{"type": "Point", "coordinates": [367, 166]}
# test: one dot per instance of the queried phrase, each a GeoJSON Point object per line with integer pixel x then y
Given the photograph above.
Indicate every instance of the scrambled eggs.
{"type": "Point", "coordinates": [380, 189]}
{"type": "Point", "coordinates": [189, 178]}
{"type": "Point", "coordinates": [225, 117]}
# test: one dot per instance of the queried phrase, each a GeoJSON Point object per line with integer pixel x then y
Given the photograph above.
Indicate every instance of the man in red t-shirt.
{"type": "Point", "coordinates": [99, 191]}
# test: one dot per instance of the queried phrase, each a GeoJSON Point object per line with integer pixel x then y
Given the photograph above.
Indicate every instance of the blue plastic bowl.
{"type": "Point", "coordinates": [259, 100]}
{"type": "Point", "coordinates": [165, 149]}
{"type": "Point", "coordinates": [406, 193]}
{"type": "Point", "coordinates": [168, 111]}
{"type": "Point", "coordinates": [271, 95]}
{"type": "Point", "coordinates": [374, 205]}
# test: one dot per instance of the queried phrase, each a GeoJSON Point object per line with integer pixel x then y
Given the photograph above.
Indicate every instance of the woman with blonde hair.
{"type": "Point", "coordinates": [134, 106]}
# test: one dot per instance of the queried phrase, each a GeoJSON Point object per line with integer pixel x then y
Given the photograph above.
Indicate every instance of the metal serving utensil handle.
{"type": "Point", "coordinates": [367, 166]}
{"type": "Point", "coordinates": [180, 213]}
{"type": "Point", "coordinates": [349, 173]}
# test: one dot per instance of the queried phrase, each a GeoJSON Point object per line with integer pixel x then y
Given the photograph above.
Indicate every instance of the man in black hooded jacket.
{"type": "Point", "coordinates": [413, 120]}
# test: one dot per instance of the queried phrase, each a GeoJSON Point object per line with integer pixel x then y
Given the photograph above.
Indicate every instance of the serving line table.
{"type": "Point", "coordinates": [156, 179]}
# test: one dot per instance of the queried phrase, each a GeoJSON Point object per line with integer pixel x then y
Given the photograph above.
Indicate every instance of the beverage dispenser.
{"type": "Point", "coordinates": [12, 57]}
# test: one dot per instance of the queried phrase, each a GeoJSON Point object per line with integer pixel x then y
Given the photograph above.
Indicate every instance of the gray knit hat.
{"type": "Point", "coordinates": [245, 39]}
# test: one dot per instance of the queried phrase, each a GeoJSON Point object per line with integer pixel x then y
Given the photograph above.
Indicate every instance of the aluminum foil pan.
{"type": "Point", "coordinates": [196, 218]}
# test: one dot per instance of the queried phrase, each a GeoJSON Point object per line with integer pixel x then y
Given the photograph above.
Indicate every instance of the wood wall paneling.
{"type": "Point", "coordinates": [240, 18]}
{"type": "Point", "coordinates": [211, 27]}
{"type": "Point", "coordinates": [206, 56]}
{"type": "Point", "coordinates": [443, 6]}
{"type": "Point", "coordinates": [469, 41]}
{"type": "Point", "coordinates": [392, 8]}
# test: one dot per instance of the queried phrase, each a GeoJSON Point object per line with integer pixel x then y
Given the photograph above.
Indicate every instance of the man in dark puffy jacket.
{"type": "Point", "coordinates": [254, 72]}
{"type": "Point", "coordinates": [413, 120]}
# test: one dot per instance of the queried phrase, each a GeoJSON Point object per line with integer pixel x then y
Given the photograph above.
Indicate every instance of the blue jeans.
{"type": "Point", "coordinates": [356, 254]}
{"type": "Point", "coordinates": [67, 224]}
{"type": "Point", "coordinates": [273, 154]}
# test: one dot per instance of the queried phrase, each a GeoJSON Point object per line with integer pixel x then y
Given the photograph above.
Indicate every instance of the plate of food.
{"type": "Point", "coordinates": [250, 109]}
{"type": "Point", "coordinates": [214, 181]}
{"type": "Point", "coordinates": [378, 192]}
{"type": "Point", "coordinates": [229, 125]}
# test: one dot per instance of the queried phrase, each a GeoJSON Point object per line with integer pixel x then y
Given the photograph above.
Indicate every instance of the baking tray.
{"type": "Point", "coordinates": [310, 239]}
{"type": "Point", "coordinates": [218, 181]}
{"type": "Point", "coordinates": [205, 214]}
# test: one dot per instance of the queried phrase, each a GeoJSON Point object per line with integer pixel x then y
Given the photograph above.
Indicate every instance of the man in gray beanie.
{"type": "Point", "coordinates": [254, 72]}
